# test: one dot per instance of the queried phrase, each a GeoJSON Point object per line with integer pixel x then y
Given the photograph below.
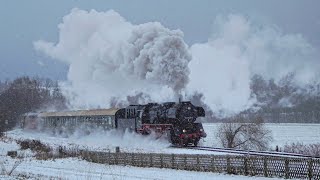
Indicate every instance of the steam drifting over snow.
{"type": "Point", "coordinates": [114, 62]}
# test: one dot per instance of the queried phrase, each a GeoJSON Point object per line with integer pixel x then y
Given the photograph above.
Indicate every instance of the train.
{"type": "Point", "coordinates": [178, 121]}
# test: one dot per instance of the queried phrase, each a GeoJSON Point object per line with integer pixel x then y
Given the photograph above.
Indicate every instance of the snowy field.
{"type": "Point", "coordinates": [73, 168]}
{"type": "Point", "coordinates": [282, 133]}
{"type": "Point", "coordinates": [79, 169]}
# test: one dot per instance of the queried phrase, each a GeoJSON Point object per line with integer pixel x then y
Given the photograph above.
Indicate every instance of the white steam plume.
{"type": "Point", "coordinates": [221, 68]}
{"type": "Point", "coordinates": [111, 60]}
{"type": "Point", "coordinates": [109, 56]}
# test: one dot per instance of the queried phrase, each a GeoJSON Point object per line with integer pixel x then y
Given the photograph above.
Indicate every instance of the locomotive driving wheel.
{"type": "Point", "coordinates": [196, 142]}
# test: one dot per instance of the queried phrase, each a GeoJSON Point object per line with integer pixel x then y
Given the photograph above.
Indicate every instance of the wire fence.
{"type": "Point", "coordinates": [267, 166]}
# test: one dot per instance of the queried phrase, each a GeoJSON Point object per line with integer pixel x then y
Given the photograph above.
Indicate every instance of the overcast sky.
{"type": "Point", "coordinates": [23, 22]}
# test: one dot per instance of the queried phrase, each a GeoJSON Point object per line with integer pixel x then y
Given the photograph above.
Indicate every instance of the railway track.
{"type": "Point", "coordinates": [257, 153]}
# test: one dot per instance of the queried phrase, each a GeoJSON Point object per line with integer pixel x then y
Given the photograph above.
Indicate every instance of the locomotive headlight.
{"type": "Point", "coordinates": [201, 130]}
{"type": "Point", "coordinates": [184, 131]}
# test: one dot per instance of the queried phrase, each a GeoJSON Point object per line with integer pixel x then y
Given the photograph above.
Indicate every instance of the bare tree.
{"type": "Point", "coordinates": [26, 94]}
{"type": "Point", "coordinates": [238, 134]}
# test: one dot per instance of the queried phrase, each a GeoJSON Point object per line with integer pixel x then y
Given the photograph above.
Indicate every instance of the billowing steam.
{"type": "Point", "coordinates": [112, 61]}
{"type": "Point", "coordinates": [109, 56]}
{"type": "Point", "coordinates": [222, 68]}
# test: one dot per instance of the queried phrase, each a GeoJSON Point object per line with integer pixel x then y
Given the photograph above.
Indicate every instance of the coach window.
{"type": "Point", "coordinates": [106, 120]}
{"type": "Point", "coordinates": [109, 121]}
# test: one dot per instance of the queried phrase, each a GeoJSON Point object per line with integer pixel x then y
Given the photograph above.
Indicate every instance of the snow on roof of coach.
{"type": "Point", "coordinates": [95, 112]}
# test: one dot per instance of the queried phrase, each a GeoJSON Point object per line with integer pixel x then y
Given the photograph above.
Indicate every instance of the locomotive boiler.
{"type": "Point", "coordinates": [176, 120]}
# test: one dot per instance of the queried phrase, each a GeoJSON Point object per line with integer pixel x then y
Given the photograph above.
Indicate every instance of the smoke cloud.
{"type": "Point", "coordinates": [222, 68]}
{"type": "Point", "coordinates": [108, 56]}
{"type": "Point", "coordinates": [112, 61]}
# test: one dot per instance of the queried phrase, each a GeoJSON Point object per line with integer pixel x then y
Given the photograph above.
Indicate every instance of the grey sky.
{"type": "Point", "coordinates": [22, 22]}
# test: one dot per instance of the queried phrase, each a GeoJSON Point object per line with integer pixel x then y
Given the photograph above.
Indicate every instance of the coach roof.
{"type": "Point", "coordinates": [95, 112]}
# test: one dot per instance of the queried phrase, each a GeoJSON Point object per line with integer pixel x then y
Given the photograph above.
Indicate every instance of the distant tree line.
{"type": "Point", "coordinates": [282, 101]}
{"type": "Point", "coordinates": [285, 101]}
{"type": "Point", "coordinates": [285, 95]}
{"type": "Point", "coordinates": [27, 94]}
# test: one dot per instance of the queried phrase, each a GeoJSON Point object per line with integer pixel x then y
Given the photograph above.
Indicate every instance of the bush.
{"type": "Point", "coordinates": [34, 145]}
{"type": "Point", "coordinates": [300, 148]}
{"type": "Point", "coordinates": [239, 134]}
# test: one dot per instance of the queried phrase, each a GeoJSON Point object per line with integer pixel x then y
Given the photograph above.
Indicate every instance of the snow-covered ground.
{"type": "Point", "coordinates": [282, 133]}
{"type": "Point", "coordinates": [73, 168]}
{"type": "Point", "coordinates": [106, 141]}
{"type": "Point", "coordinates": [131, 142]}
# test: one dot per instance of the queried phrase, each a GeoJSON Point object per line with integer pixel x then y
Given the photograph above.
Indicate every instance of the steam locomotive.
{"type": "Point", "coordinates": [176, 120]}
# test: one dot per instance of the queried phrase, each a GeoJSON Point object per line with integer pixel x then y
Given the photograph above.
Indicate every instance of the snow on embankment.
{"type": "Point", "coordinates": [106, 141]}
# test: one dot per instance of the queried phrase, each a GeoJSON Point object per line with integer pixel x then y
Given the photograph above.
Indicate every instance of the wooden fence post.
{"type": "Point", "coordinates": [198, 162]}
{"type": "Point", "coordinates": [310, 173]}
{"type": "Point", "coordinates": [97, 155]}
{"type": "Point", "coordinates": [286, 168]}
{"type": "Point", "coordinates": [96, 158]}
{"type": "Point", "coordinates": [172, 161]}
{"type": "Point", "coordinates": [185, 162]}
{"type": "Point", "coordinates": [228, 165]}
{"type": "Point", "coordinates": [109, 158]}
{"type": "Point", "coordinates": [151, 160]}
{"type": "Point", "coordinates": [141, 160]}
{"type": "Point", "coordinates": [132, 159]}
{"type": "Point", "coordinates": [161, 161]}
{"type": "Point", "coordinates": [245, 161]}
{"type": "Point", "coordinates": [124, 157]}
{"type": "Point", "coordinates": [212, 164]}
{"type": "Point", "coordinates": [265, 166]}
{"type": "Point", "coordinates": [116, 159]}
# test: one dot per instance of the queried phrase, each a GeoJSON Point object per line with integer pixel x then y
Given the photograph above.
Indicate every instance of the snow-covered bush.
{"type": "Point", "coordinates": [300, 148]}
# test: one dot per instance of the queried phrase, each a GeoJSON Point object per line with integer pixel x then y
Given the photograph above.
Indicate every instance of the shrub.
{"type": "Point", "coordinates": [34, 145]}
{"type": "Point", "coordinates": [300, 148]}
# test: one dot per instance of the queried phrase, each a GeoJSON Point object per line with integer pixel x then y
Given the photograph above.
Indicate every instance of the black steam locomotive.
{"type": "Point", "coordinates": [176, 120]}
